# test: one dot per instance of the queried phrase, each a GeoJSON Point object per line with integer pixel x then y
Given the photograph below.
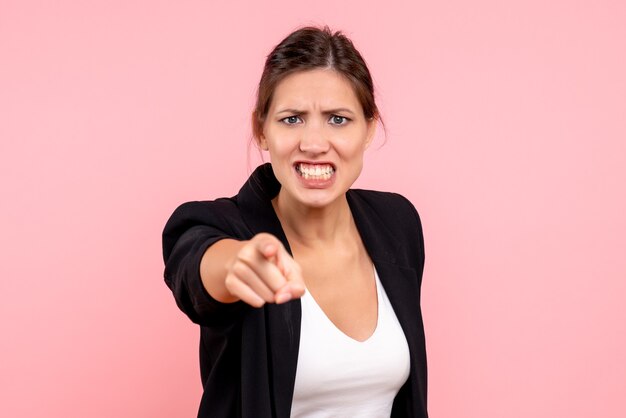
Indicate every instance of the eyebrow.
{"type": "Point", "coordinates": [324, 112]}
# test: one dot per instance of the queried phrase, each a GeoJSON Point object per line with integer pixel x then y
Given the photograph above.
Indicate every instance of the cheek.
{"type": "Point", "coordinates": [280, 150]}
{"type": "Point", "coordinates": [280, 141]}
{"type": "Point", "coordinates": [353, 141]}
{"type": "Point", "coordinates": [351, 148]}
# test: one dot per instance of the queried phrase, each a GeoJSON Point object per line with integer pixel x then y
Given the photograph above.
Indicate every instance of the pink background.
{"type": "Point", "coordinates": [506, 128]}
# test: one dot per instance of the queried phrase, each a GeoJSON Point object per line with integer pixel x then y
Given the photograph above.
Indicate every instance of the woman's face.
{"type": "Point", "coordinates": [316, 134]}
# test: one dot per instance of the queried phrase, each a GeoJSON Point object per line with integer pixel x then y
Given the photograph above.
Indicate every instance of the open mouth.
{"type": "Point", "coordinates": [315, 171]}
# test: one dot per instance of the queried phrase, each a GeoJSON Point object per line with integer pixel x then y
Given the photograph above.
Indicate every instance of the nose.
{"type": "Point", "coordinates": [314, 139]}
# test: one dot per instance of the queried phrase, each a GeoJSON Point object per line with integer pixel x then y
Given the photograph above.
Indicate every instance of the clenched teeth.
{"type": "Point", "coordinates": [315, 171]}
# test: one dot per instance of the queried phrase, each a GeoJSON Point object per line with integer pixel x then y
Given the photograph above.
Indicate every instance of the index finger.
{"type": "Point", "coordinates": [292, 273]}
{"type": "Point", "coordinates": [264, 270]}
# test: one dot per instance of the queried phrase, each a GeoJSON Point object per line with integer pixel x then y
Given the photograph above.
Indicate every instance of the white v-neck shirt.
{"type": "Point", "coordinates": [338, 376]}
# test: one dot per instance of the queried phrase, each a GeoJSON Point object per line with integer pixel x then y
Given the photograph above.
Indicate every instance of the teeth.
{"type": "Point", "coordinates": [315, 171]}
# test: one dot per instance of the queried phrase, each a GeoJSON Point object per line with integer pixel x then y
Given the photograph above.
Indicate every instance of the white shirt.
{"type": "Point", "coordinates": [338, 376]}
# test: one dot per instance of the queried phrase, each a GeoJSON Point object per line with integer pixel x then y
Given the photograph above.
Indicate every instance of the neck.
{"type": "Point", "coordinates": [309, 225]}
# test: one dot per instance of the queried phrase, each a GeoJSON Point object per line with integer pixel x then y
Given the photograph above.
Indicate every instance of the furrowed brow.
{"type": "Point", "coordinates": [325, 112]}
{"type": "Point", "coordinates": [290, 110]}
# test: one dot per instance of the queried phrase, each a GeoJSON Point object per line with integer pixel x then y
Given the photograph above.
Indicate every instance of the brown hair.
{"type": "Point", "coordinates": [309, 48]}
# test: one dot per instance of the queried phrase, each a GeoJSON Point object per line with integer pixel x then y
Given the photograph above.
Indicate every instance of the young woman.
{"type": "Point", "coordinates": [307, 292]}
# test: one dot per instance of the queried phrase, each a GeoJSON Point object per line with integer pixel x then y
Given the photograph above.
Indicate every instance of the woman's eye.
{"type": "Point", "coordinates": [338, 120]}
{"type": "Point", "coordinates": [290, 120]}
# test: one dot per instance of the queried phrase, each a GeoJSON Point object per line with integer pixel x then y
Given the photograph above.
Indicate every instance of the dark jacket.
{"type": "Point", "coordinates": [248, 356]}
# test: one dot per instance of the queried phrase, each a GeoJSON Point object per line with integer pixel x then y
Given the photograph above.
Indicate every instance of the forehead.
{"type": "Point", "coordinates": [314, 88]}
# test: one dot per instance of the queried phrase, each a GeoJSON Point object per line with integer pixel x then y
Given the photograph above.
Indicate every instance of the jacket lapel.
{"type": "Point", "coordinates": [400, 283]}
{"type": "Point", "coordinates": [282, 322]}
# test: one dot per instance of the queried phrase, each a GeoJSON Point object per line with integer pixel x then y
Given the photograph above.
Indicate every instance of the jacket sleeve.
{"type": "Point", "coordinates": [419, 238]}
{"type": "Point", "coordinates": [189, 232]}
{"type": "Point", "coordinates": [417, 235]}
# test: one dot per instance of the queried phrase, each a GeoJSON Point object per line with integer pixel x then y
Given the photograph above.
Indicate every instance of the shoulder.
{"type": "Point", "coordinates": [219, 217]}
{"type": "Point", "coordinates": [205, 209]}
{"type": "Point", "coordinates": [391, 206]}
{"type": "Point", "coordinates": [393, 218]}
{"type": "Point", "coordinates": [204, 212]}
{"type": "Point", "coordinates": [376, 196]}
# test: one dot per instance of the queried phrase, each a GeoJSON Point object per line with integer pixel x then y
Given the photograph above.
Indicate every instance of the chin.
{"type": "Point", "coordinates": [318, 199]}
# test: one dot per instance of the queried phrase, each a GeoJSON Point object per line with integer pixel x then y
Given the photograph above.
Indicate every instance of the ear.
{"type": "Point", "coordinates": [371, 131]}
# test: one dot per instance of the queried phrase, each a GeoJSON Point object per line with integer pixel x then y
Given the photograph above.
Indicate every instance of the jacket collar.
{"type": "Point", "coordinates": [256, 195]}
{"type": "Point", "coordinates": [255, 202]}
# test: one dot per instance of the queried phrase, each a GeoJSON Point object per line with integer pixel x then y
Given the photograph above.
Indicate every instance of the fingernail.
{"type": "Point", "coordinates": [282, 298]}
